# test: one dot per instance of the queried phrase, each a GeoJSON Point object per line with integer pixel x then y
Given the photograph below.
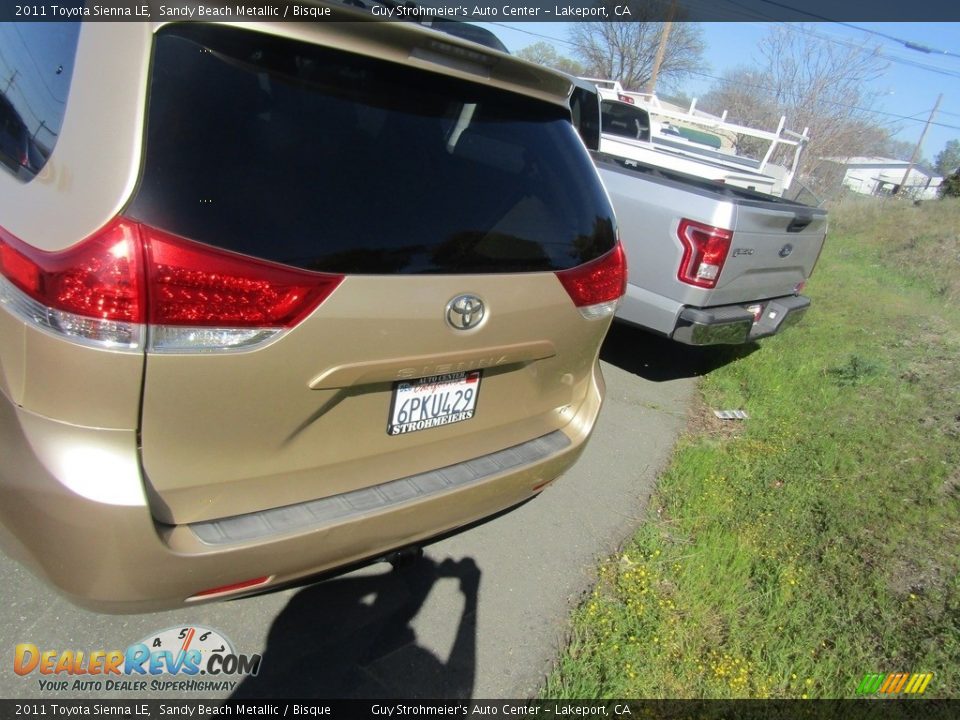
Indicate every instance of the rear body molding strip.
{"type": "Point", "coordinates": [337, 508]}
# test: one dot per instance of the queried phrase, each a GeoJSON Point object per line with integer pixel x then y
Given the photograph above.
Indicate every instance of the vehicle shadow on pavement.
{"type": "Point", "coordinates": [659, 359]}
{"type": "Point", "coordinates": [351, 637]}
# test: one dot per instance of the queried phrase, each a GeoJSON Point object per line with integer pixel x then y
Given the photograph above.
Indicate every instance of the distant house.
{"type": "Point", "coordinates": [883, 176]}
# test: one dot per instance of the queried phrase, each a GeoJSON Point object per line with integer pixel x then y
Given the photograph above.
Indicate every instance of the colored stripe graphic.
{"type": "Point", "coordinates": [870, 684]}
{"type": "Point", "coordinates": [926, 678]}
{"type": "Point", "coordinates": [894, 683]}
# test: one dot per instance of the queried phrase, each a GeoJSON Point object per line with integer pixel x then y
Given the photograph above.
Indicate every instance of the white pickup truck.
{"type": "Point", "coordinates": [640, 127]}
{"type": "Point", "coordinates": [630, 132]}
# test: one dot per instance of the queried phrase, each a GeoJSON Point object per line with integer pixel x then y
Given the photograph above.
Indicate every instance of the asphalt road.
{"type": "Point", "coordinates": [480, 615]}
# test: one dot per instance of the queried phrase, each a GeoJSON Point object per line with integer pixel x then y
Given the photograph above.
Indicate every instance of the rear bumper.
{"type": "Point", "coordinates": [114, 557]}
{"type": "Point", "coordinates": [734, 324]}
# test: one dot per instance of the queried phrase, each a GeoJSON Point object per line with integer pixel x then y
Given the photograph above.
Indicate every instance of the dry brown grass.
{"type": "Point", "coordinates": [921, 241]}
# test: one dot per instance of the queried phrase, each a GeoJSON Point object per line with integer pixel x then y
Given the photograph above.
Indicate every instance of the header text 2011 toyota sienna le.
{"type": "Point", "coordinates": [285, 297]}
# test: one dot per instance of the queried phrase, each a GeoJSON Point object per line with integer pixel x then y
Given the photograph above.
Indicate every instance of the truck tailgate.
{"type": "Point", "coordinates": [775, 243]}
{"type": "Point", "coordinates": [774, 248]}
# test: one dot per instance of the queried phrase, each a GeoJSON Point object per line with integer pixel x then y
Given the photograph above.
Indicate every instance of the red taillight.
{"type": "Point", "coordinates": [98, 278]}
{"type": "Point", "coordinates": [107, 288]}
{"type": "Point", "coordinates": [200, 286]}
{"type": "Point", "coordinates": [597, 282]}
{"type": "Point", "coordinates": [18, 269]}
{"type": "Point", "coordinates": [625, 98]}
{"type": "Point", "coordinates": [705, 249]}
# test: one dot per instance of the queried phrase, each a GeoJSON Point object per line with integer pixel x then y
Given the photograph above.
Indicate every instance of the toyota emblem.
{"type": "Point", "coordinates": [465, 312]}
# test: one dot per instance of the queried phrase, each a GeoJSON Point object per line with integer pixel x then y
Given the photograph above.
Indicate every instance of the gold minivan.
{"type": "Point", "coordinates": [279, 298]}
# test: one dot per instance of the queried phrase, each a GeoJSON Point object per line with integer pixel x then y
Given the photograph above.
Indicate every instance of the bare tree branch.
{"type": "Point", "coordinates": [816, 84]}
{"type": "Point", "coordinates": [625, 51]}
{"type": "Point", "coordinates": [544, 53]}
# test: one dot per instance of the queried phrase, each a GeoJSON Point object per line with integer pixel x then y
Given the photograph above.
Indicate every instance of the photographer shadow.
{"type": "Point", "coordinates": [352, 637]}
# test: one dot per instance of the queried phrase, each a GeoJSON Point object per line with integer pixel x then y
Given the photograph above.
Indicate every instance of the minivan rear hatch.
{"type": "Point", "coordinates": [369, 206]}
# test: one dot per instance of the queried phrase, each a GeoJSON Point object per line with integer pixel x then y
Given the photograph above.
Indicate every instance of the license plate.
{"type": "Point", "coordinates": [433, 401]}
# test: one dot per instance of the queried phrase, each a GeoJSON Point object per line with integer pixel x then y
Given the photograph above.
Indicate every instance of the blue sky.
{"type": "Point", "coordinates": [910, 85]}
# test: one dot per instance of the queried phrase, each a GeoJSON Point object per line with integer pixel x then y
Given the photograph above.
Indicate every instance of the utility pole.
{"type": "Point", "coordinates": [661, 48]}
{"type": "Point", "coordinates": [13, 77]}
{"type": "Point", "coordinates": [658, 58]}
{"type": "Point", "coordinates": [916, 150]}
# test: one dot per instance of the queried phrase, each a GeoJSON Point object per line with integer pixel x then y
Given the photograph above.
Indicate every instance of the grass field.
{"type": "Point", "coordinates": [788, 555]}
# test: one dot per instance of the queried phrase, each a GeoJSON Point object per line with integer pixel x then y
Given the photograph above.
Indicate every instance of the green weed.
{"type": "Point", "coordinates": [822, 540]}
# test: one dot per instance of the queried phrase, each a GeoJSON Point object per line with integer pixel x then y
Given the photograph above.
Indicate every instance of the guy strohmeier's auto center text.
{"type": "Point", "coordinates": [476, 11]}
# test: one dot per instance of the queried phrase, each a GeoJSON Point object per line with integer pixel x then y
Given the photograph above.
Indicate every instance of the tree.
{"type": "Point", "coordinates": [951, 185]}
{"type": "Point", "coordinates": [544, 53]}
{"type": "Point", "coordinates": [948, 159]}
{"type": "Point", "coordinates": [743, 93]}
{"type": "Point", "coordinates": [823, 86]}
{"type": "Point", "coordinates": [625, 51]}
{"type": "Point", "coordinates": [896, 149]}
{"type": "Point", "coordinates": [817, 84]}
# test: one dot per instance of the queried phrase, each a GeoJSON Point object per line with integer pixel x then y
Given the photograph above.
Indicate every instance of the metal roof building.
{"type": "Point", "coordinates": [882, 176]}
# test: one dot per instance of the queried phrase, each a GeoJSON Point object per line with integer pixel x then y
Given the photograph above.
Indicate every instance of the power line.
{"type": "Point", "coordinates": [891, 58]}
{"type": "Point", "coordinates": [769, 89]}
{"type": "Point", "coordinates": [17, 86]}
{"type": "Point", "coordinates": [40, 73]}
{"type": "Point", "coordinates": [534, 34]}
{"type": "Point", "coordinates": [749, 13]}
{"type": "Point", "coordinates": [906, 43]}
{"type": "Point", "coordinates": [790, 28]}
{"type": "Point", "coordinates": [806, 30]}
{"type": "Point", "coordinates": [828, 102]}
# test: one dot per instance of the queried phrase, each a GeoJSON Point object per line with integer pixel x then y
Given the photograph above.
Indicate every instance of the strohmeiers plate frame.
{"type": "Point", "coordinates": [463, 408]}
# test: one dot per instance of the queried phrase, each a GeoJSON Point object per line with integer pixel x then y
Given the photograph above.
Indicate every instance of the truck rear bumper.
{"type": "Point", "coordinates": [736, 324]}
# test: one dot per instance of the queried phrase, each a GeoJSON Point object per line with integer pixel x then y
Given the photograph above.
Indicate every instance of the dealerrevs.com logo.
{"type": "Point", "coordinates": [200, 658]}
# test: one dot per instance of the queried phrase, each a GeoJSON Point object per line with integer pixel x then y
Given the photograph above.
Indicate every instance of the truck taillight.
{"type": "Point", "coordinates": [108, 289]}
{"type": "Point", "coordinates": [705, 249]}
{"type": "Point", "coordinates": [625, 98]}
{"type": "Point", "coordinates": [596, 287]}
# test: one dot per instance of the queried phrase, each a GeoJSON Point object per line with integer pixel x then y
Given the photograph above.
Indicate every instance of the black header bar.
{"type": "Point", "coordinates": [876, 709]}
{"type": "Point", "coordinates": [494, 10]}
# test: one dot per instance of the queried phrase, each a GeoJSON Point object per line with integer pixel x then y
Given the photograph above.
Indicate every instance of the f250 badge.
{"type": "Point", "coordinates": [742, 251]}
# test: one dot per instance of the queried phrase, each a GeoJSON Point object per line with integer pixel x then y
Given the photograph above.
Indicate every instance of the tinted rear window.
{"type": "Point", "coordinates": [335, 162]}
{"type": "Point", "coordinates": [624, 120]}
